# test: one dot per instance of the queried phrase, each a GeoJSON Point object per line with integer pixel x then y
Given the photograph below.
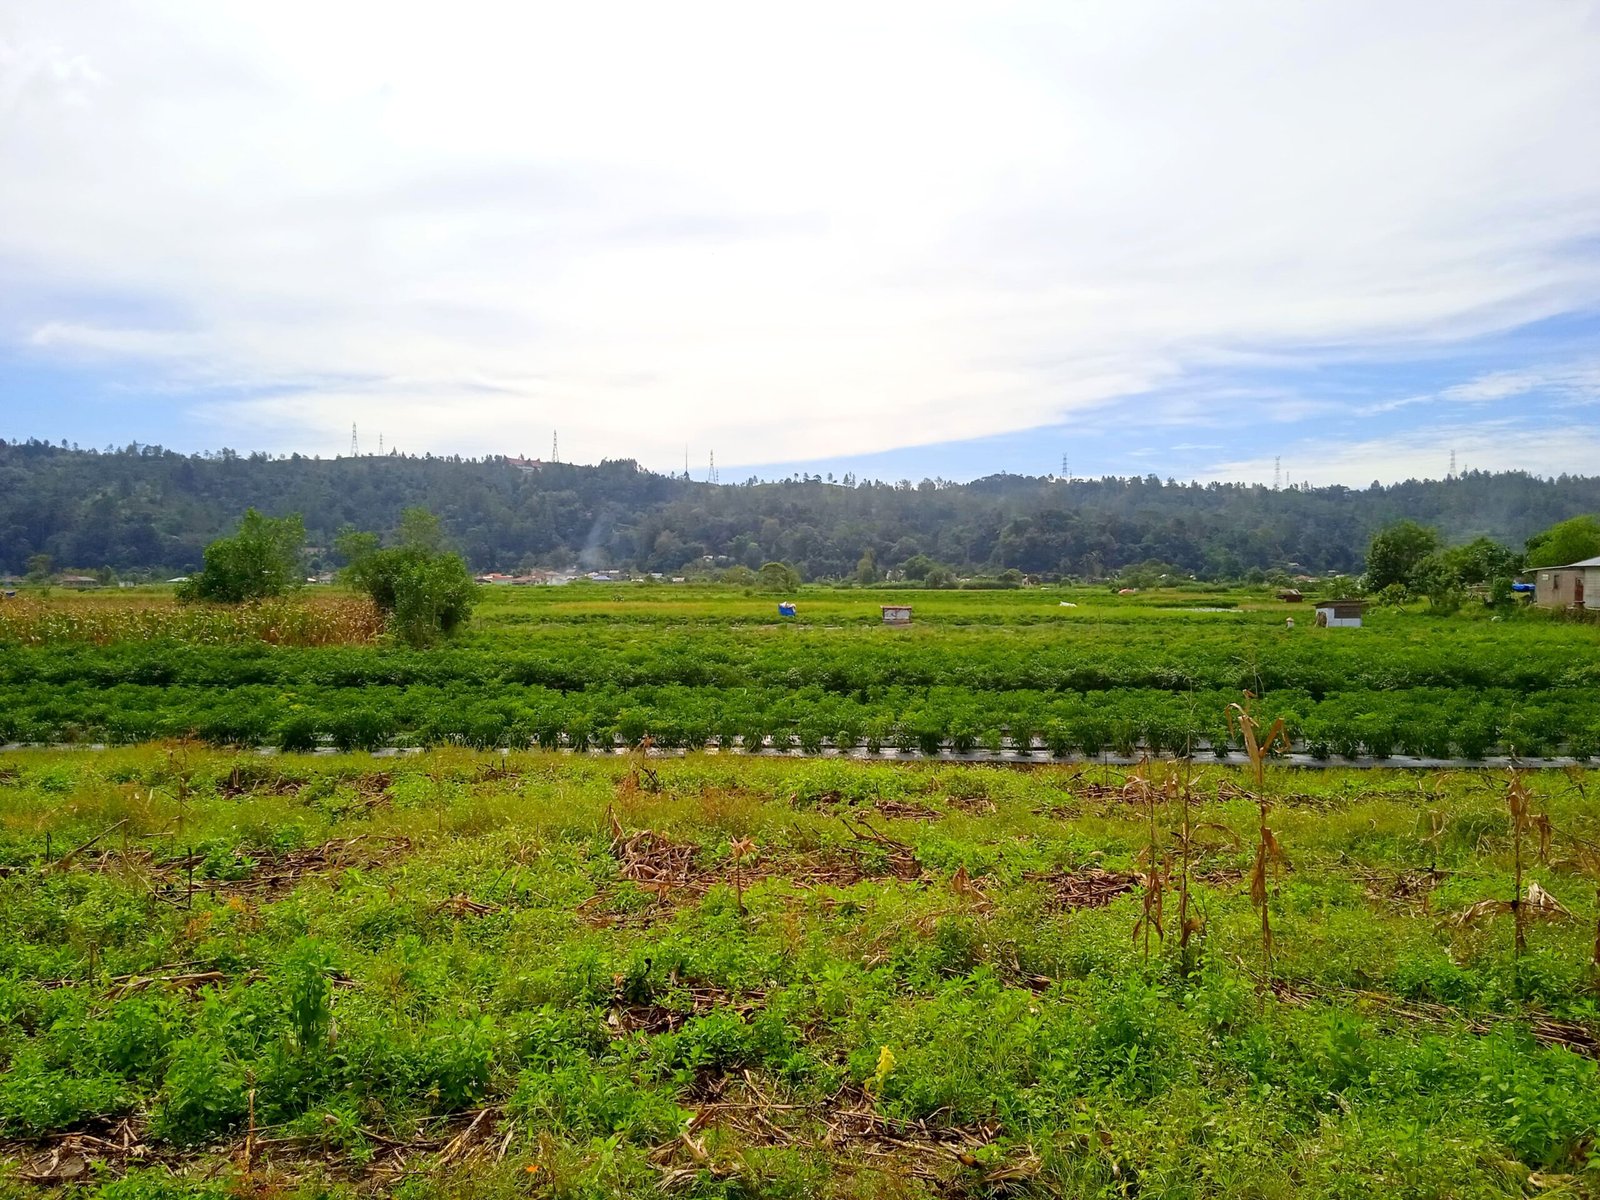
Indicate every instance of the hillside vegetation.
{"type": "Point", "coordinates": [148, 509]}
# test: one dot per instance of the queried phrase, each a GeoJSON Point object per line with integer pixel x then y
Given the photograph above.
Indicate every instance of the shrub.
{"type": "Point", "coordinates": [36, 1099]}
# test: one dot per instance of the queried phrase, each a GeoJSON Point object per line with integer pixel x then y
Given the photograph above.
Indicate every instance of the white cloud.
{"type": "Point", "coordinates": [1502, 445]}
{"type": "Point", "coordinates": [787, 234]}
{"type": "Point", "coordinates": [1500, 385]}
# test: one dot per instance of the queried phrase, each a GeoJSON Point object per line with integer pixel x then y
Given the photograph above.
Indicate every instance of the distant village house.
{"type": "Point", "coordinates": [1576, 585]}
{"type": "Point", "coordinates": [1340, 614]}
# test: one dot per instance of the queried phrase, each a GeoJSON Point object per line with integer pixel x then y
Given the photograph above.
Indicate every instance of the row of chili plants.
{"type": "Point", "coordinates": [1528, 658]}
{"type": "Point", "coordinates": [1439, 723]}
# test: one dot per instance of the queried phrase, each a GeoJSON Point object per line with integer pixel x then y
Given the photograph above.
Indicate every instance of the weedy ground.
{"type": "Point", "coordinates": [489, 975]}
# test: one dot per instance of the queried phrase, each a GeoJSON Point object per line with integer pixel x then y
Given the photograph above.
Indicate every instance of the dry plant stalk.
{"type": "Point", "coordinates": [1188, 925]}
{"type": "Point", "coordinates": [641, 776]}
{"type": "Point", "coordinates": [1268, 852]}
{"type": "Point", "coordinates": [740, 847]}
{"type": "Point", "coordinates": [1518, 801]}
{"type": "Point", "coordinates": [181, 770]}
{"type": "Point", "coordinates": [971, 894]}
{"type": "Point", "coordinates": [1154, 868]}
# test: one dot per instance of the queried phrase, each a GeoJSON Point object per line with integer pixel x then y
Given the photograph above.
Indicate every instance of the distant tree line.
{"type": "Point", "coordinates": [148, 510]}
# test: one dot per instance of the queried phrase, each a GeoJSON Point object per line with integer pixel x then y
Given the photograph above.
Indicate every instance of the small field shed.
{"type": "Point", "coordinates": [896, 614]}
{"type": "Point", "coordinates": [1576, 585]}
{"type": "Point", "coordinates": [1340, 614]}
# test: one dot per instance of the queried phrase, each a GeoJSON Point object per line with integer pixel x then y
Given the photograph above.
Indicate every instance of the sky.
{"type": "Point", "coordinates": [900, 240]}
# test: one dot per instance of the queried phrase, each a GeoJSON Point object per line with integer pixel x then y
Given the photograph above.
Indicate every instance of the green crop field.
{"type": "Point", "coordinates": [602, 665]}
{"type": "Point", "coordinates": [500, 967]}
{"type": "Point", "coordinates": [474, 974]}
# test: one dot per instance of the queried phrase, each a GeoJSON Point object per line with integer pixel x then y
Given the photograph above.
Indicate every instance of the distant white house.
{"type": "Point", "coordinates": [1340, 614]}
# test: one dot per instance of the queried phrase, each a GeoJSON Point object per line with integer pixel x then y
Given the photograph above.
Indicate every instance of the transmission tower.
{"type": "Point", "coordinates": [355, 446]}
{"type": "Point", "coordinates": [1277, 473]}
{"type": "Point", "coordinates": [1452, 474]}
{"type": "Point", "coordinates": [1066, 473]}
{"type": "Point", "coordinates": [555, 446]}
{"type": "Point", "coordinates": [711, 470]}
{"type": "Point", "coordinates": [380, 444]}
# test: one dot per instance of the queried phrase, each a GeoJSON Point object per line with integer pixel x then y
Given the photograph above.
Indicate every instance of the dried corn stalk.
{"type": "Point", "coordinates": [1518, 801]}
{"type": "Point", "coordinates": [1155, 869]}
{"type": "Point", "coordinates": [740, 847]}
{"type": "Point", "coordinates": [1269, 854]}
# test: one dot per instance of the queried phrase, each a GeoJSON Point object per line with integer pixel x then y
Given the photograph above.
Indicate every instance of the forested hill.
{"type": "Point", "coordinates": [152, 509]}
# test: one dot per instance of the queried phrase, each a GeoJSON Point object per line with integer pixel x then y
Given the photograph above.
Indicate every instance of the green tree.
{"type": "Point", "coordinates": [1480, 561]}
{"type": "Point", "coordinates": [1566, 542]}
{"type": "Point", "coordinates": [261, 559]}
{"type": "Point", "coordinates": [778, 577]}
{"type": "Point", "coordinates": [39, 569]}
{"type": "Point", "coordinates": [425, 589]}
{"type": "Point", "coordinates": [1437, 578]}
{"type": "Point", "coordinates": [1395, 551]}
{"type": "Point", "coordinates": [867, 568]}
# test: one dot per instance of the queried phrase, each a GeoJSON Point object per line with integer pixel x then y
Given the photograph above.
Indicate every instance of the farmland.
{"type": "Point", "coordinates": [476, 974]}
{"type": "Point", "coordinates": [1012, 672]}
{"type": "Point", "coordinates": [240, 962]}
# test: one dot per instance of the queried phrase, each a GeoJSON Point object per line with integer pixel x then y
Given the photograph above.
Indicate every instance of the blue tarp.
{"type": "Point", "coordinates": [1522, 587]}
{"type": "Point", "coordinates": [786, 610]}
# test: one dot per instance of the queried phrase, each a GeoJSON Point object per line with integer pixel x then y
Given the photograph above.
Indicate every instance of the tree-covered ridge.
{"type": "Point", "coordinates": [151, 509]}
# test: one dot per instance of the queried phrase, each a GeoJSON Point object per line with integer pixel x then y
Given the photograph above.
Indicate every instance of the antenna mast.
{"type": "Point", "coordinates": [1277, 473]}
{"type": "Point", "coordinates": [711, 471]}
{"type": "Point", "coordinates": [1452, 474]}
{"type": "Point", "coordinates": [355, 446]}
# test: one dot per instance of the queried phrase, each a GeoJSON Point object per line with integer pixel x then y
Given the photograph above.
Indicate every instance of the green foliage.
{"type": "Point", "coordinates": [1565, 542]}
{"type": "Point", "coordinates": [777, 577]}
{"type": "Point", "coordinates": [143, 508]}
{"type": "Point", "coordinates": [261, 560]}
{"type": "Point", "coordinates": [471, 944]}
{"type": "Point", "coordinates": [205, 1093]}
{"type": "Point", "coordinates": [1395, 552]}
{"type": "Point", "coordinates": [427, 590]}
{"type": "Point", "coordinates": [36, 1098]}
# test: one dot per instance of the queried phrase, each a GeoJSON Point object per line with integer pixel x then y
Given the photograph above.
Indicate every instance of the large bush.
{"type": "Point", "coordinates": [425, 589]}
{"type": "Point", "coordinates": [262, 559]}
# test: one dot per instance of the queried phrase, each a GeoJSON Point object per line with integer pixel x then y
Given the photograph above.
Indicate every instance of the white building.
{"type": "Point", "coordinates": [1340, 614]}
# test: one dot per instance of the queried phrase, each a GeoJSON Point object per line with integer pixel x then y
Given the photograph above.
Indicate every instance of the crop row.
{"type": "Point", "coordinates": [1430, 722]}
{"type": "Point", "coordinates": [332, 620]}
{"type": "Point", "coordinates": [847, 663]}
